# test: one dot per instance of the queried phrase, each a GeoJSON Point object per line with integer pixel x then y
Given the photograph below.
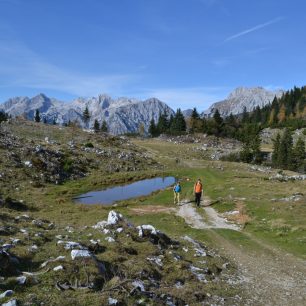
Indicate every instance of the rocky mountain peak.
{"type": "Point", "coordinates": [243, 97]}
{"type": "Point", "coordinates": [122, 115]}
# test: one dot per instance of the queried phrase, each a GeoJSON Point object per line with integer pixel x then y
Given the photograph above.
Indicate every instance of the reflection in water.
{"type": "Point", "coordinates": [137, 189]}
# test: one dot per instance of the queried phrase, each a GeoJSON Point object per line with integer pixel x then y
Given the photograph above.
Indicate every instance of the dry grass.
{"type": "Point", "coordinates": [151, 209]}
{"type": "Point", "coordinates": [242, 217]}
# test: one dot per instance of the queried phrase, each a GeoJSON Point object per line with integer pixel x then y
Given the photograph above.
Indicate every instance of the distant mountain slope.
{"type": "Point", "coordinates": [243, 97]}
{"type": "Point", "coordinates": [122, 115]}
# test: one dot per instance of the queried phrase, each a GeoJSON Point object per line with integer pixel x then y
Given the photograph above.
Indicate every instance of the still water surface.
{"type": "Point", "coordinates": [110, 195]}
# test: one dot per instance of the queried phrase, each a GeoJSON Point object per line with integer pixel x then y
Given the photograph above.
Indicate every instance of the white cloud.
{"type": "Point", "coordinates": [21, 67]}
{"type": "Point", "coordinates": [253, 29]}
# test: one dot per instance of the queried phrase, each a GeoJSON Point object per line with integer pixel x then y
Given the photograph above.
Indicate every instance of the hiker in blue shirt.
{"type": "Point", "coordinates": [177, 191]}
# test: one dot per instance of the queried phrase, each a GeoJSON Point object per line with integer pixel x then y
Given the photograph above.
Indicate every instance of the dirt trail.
{"type": "Point", "coordinates": [270, 276]}
{"type": "Point", "coordinates": [188, 211]}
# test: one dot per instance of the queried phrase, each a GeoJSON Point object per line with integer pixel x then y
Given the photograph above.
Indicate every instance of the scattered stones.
{"type": "Point", "coordinates": [143, 228]}
{"type": "Point", "coordinates": [100, 225]}
{"type": "Point", "coordinates": [80, 254]}
{"type": "Point", "coordinates": [10, 303]}
{"type": "Point", "coordinates": [58, 268]}
{"type": "Point", "coordinates": [285, 178]}
{"type": "Point", "coordinates": [6, 293]}
{"type": "Point", "coordinates": [69, 245]}
{"type": "Point", "coordinates": [198, 248]}
{"type": "Point", "coordinates": [33, 248]}
{"type": "Point", "coordinates": [113, 218]}
{"type": "Point", "coordinates": [294, 198]}
{"type": "Point", "coordinates": [110, 239]}
{"type": "Point", "coordinates": [28, 164]}
{"type": "Point", "coordinates": [112, 301]}
{"type": "Point", "coordinates": [261, 169]}
{"type": "Point", "coordinates": [198, 273]}
{"type": "Point", "coordinates": [44, 264]}
{"type": "Point", "coordinates": [15, 241]}
{"type": "Point", "coordinates": [21, 280]}
{"type": "Point", "coordinates": [156, 259]}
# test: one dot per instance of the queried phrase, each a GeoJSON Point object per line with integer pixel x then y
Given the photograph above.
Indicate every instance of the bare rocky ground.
{"type": "Point", "coordinates": [209, 147]}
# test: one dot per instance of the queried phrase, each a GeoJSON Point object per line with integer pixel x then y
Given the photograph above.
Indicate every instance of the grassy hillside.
{"type": "Point", "coordinates": [271, 220]}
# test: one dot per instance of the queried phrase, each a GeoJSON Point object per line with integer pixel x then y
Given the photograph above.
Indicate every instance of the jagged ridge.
{"type": "Point", "coordinates": [122, 115]}
{"type": "Point", "coordinates": [243, 97]}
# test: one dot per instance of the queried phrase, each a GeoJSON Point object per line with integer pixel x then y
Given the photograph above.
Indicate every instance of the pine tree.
{"type": "Point", "coordinates": [272, 117]}
{"type": "Point", "coordinates": [275, 154]}
{"type": "Point", "coordinates": [255, 148]}
{"type": "Point", "coordinates": [37, 116]}
{"type": "Point", "coordinates": [171, 119]}
{"type": "Point", "coordinates": [45, 120]}
{"type": "Point", "coordinates": [54, 121]}
{"type": "Point", "coordinates": [86, 115]}
{"type": "Point", "coordinates": [153, 130]}
{"type": "Point", "coordinates": [282, 114]}
{"type": "Point", "coordinates": [96, 126]}
{"type": "Point", "coordinates": [163, 123]}
{"type": "Point", "coordinates": [218, 122]}
{"type": "Point", "coordinates": [178, 125]}
{"type": "Point", "coordinates": [3, 116]}
{"type": "Point", "coordinates": [299, 155]}
{"type": "Point", "coordinates": [285, 150]}
{"type": "Point", "coordinates": [245, 116]}
{"type": "Point", "coordinates": [246, 154]}
{"type": "Point", "coordinates": [257, 115]}
{"type": "Point", "coordinates": [195, 122]}
{"type": "Point", "coordinates": [141, 129]}
{"type": "Point", "coordinates": [104, 127]}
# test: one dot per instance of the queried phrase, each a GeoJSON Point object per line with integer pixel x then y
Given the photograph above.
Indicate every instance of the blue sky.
{"type": "Point", "coordinates": [185, 52]}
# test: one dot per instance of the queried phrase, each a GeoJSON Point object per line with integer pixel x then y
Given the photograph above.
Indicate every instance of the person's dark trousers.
{"type": "Point", "coordinates": [198, 198]}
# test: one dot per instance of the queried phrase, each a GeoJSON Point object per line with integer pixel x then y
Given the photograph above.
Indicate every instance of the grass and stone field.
{"type": "Point", "coordinates": [56, 252]}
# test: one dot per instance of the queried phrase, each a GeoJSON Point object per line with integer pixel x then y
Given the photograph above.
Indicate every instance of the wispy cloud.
{"type": "Point", "coordinates": [188, 97]}
{"type": "Point", "coordinates": [21, 67]}
{"type": "Point", "coordinates": [225, 61]}
{"type": "Point", "coordinates": [253, 29]}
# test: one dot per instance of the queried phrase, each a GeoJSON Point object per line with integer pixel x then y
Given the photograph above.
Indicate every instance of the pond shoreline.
{"type": "Point", "coordinates": [110, 195]}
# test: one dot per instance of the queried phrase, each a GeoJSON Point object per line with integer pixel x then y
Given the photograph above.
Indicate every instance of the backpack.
{"type": "Point", "coordinates": [177, 188]}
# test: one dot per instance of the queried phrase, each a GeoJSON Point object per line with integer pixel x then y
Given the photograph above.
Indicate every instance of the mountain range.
{"type": "Point", "coordinates": [125, 115]}
{"type": "Point", "coordinates": [122, 115]}
{"type": "Point", "coordinates": [243, 97]}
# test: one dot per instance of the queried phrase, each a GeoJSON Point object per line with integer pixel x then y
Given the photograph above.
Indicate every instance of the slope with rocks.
{"type": "Point", "coordinates": [112, 262]}
{"type": "Point", "coordinates": [43, 154]}
{"type": "Point", "coordinates": [122, 115]}
{"type": "Point", "coordinates": [240, 98]}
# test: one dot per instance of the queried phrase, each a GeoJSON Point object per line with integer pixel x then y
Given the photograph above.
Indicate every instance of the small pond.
{"type": "Point", "coordinates": [110, 195]}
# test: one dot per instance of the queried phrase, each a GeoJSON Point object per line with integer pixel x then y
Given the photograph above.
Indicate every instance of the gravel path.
{"type": "Point", "coordinates": [189, 212]}
{"type": "Point", "coordinates": [269, 276]}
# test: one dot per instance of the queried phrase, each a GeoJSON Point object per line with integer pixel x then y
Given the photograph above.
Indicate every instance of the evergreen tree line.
{"type": "Point", "coordinates": [173, 125]}
{"type": "Point", "coordinates": [288, 156]}
{"type": "Point", "coordinates": [3, 116]}
{"type": "Point", "coordinates": [287, 111]}
{"type": "Point", "coordinates": [96, 127]}
{"type": "Point", "coordinates": [37, 118]}
{"type": "Point", "coordinates": [85, 117]}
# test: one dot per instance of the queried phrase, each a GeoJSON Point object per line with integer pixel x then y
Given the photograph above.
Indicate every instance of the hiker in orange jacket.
{"type": "Point", "coordinates": [198, 191]}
